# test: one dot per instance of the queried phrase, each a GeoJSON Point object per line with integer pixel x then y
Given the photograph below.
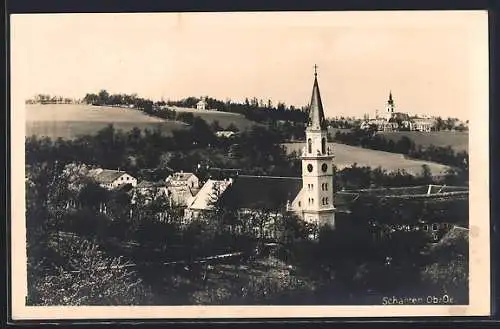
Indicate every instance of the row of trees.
{"type": "Point", "coordinates": [151, 155]}
{"type": "Point", "coordinates": [48, 99]}
{"type": "Point", "coordinates": [450, 124]}
{"type": "Point", "coordinates": [253, 109]}
{"type": "Point", "coordinates": [256, 150]}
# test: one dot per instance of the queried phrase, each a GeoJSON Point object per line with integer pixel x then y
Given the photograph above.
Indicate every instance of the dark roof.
{"type": "Point", "coordinates": [125, 187]}
{"type": "Point", "coordinates": [262, 192]}
{"type": "Point", "coordinates": [344, 199]}
{"type": "Point", "coordinates": [149, 184]}
{"type": "Point", "coordinates": [316, 114]}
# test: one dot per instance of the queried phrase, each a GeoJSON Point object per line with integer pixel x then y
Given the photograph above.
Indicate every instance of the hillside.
{"type": "Point", "coordinates": [72, 120]}
{"type": "Point", "coordinates": [224, 118]}
{"type": "Point", "coordinates": [346, 155]}
{"type": "Point", "coordinates": [459, 141]}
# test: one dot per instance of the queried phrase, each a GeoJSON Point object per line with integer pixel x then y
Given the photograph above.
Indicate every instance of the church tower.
{"type": "Point", "coordinates": [390, 107]}
{"type": "Point", "coordinates": [317, 166]}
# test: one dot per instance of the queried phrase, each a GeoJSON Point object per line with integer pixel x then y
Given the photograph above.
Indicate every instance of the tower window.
{"type": "Point", "coordinates": [326, 200]}
{"type": "Point", "coordinates": [323, 145]}
{"type": "Point", "coordinates": [309, 145]}
{"type": "Point", "coordinates": [299, 203]}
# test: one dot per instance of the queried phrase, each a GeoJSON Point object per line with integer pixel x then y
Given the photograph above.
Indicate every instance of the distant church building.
{"type": "Point", "coordinates": [390, 107]}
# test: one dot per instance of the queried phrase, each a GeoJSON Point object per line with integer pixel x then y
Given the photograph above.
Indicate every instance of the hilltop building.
{"type": "Point", "coordinates": [202, 104]}
{"type": "Point", "coordinates": [396, 121]}
{"type": "Point", "coordinates": [389, 108]}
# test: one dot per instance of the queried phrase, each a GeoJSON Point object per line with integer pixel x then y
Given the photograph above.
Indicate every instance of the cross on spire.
{"type": "Point", "coordinates": [316, 114]}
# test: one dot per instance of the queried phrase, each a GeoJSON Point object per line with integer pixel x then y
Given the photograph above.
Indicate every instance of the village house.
{"type": "Point", "coordinates": [181, 187]}
{"type": "Point", "coordinates": [112, 179]}
{"type": "Point", "coordinates": [422, 124]}
{"type": "Point", "coordinates": [225, 134]}
{"type": "Point", "coordinates": [204, 201]}
{"type": "Point", "coordinates": [150, 190]}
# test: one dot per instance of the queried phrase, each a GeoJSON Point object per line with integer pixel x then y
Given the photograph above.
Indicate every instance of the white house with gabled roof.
{"type": "Point", "coordinates": [112, 179]}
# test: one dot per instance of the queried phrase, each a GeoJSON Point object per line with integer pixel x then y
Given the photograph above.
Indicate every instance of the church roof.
{"type": "Point", "coordinates": [316, 115]}
{"type": "Point", "coordinates": [262, 192]}
{"type": "Point", "coordinates": [390, 101]}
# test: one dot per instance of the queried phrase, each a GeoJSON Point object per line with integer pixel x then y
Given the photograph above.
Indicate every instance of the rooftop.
{"type": "Point", "coordinates": [105, 176]}
{"type": "Point", "coordinates": [149, 184]}
{"type": "Point", "coordinates": [209, 194]}
{"type": "Point", "coordinates": [181, 176]}
{"type": "Point", "coordinates": [264, 192]}
{"type": "Point", "coordinates": [316, 119]}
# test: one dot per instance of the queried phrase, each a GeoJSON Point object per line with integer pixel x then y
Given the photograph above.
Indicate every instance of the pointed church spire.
{"type": "Point", "coordinates": [316, 115]}
{"type": "Point", "coordinates": [390, 101]}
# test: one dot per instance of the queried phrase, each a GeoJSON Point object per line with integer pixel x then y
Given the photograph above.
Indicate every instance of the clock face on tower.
{"type": "Point", "coordinates": [324, 167]}
{"type": "Point", "coordinates": [310, 167]}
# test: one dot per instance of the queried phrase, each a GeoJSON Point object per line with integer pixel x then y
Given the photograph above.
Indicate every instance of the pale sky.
{"type": "Point", "coordinates": [434, 62]}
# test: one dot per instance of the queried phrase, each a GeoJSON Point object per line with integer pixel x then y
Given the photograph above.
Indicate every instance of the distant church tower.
{"type": "Point", "coordinates": [390, 107]}
{"type": "Point", "coordinates": [317, 166]}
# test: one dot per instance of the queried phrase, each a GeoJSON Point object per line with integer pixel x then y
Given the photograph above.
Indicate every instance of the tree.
{"type": "Point", "coordinates": [186, 117]}
{"type": "Point", "coordinates": [91, 99]}
{"type": "Point", "coordinates": [232, 127]}
{"type": "Point", "coordinates": [202, 134]}
{"type": "Point", "coordinates": [215, 126]}
{"type": "Point", "coordinates": [93, 196]}
{"type": "Point", "coordinates": [89, 278]}
{"type": "Point", "coordinates": [440, 125]}
{"type": "Point", "coordinates": [103, 97]}
{"type": "Point", "coordinates": [426, 174]}
{"type": "Point", "coordinates": [448, 269]}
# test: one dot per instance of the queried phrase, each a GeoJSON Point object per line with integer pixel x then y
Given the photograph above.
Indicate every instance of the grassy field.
{"type": "Point", "coordinates": [459, 141]}
{"type": "Point", "coordinates": [346, 155]}
{"type": "Point", "coordinates": [224, 118]}
{"type": "Point", "coordinates": [73, 120]}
